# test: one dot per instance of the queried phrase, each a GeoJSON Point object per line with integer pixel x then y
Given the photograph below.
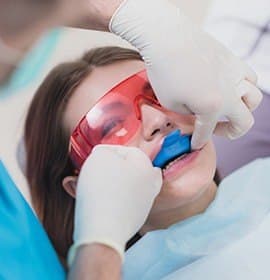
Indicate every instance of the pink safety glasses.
{"type": "Point", "coordinates": [114, 119]}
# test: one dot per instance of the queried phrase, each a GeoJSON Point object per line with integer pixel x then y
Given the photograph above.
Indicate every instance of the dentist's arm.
{"type": "Point", "coordinates": [116, 189]}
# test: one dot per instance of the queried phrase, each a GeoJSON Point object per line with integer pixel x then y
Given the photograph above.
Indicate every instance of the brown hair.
{"type": "Point", "coordinates": [47, 142]}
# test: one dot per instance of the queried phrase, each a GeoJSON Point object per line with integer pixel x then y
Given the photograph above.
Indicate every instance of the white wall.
{"type": "Point", "coordinates": [72, 44]}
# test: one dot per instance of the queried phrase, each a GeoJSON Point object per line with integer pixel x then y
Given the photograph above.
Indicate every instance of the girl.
{"type": "Point", "coordinates": [76, 91]}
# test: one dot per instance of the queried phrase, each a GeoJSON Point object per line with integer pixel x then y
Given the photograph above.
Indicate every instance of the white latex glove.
{"type": "Point", "coordinates": [189, 70]}
{"type": "Point", "coordinates": [116, 188]}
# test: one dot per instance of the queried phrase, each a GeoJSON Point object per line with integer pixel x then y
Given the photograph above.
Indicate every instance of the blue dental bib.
{"type": "Point", "coordinates": [174, 145]}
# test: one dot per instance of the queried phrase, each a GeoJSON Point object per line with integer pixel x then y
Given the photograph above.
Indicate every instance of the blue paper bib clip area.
{"type": "Point", "coordinates": [174, 145]}
{"type": "Point", "coordinates": [25, 250]}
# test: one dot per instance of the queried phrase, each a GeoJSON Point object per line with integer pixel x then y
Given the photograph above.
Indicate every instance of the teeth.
{"type": "Point", "coordinates": [174, 161]}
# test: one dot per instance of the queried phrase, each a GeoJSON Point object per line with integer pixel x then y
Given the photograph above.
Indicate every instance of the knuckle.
{"type": "Point", "coordinates": [250, 122]}
{"type": "Point", "coordinates": [245, 126]}
{"type": "Point", "coordinates": [259, 97]}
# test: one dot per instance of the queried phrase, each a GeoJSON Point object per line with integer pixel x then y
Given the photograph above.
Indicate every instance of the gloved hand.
{"type": "Point", "coordinates": [189, 70]}
{"type": "Point", "coordinates": [116, 188]}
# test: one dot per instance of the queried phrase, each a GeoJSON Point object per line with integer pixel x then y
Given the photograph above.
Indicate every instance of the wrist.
{"type": "Point", "coordinates": [106, 10]}
{"type": "Point", "coordinates": [96, 244]}
{"type": "Point", "coordinates": [95, 15]}
{"type": "Point", "coordinates": [99, 250]}
{"type": "Point", "coordinates": [96, 261]}
{"type": "Point", "coordinates": [132, 22]}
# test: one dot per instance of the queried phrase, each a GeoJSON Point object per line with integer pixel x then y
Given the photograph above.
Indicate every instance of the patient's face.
{"type": "Point", "coordinates": [185, 180]}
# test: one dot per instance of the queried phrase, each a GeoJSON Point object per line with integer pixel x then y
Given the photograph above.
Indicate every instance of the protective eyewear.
{"type": "Point", "coordinates": [114, 119]}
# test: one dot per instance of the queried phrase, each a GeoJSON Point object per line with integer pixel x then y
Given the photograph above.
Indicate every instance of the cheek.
{"type": "Point", "coordinates": [138, 141]}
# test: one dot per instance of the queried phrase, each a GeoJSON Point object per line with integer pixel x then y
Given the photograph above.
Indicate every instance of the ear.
{"type": "Point", "coordinates": [69, 183]}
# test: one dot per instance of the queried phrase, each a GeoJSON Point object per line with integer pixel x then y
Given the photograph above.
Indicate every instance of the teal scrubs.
{"type": "Point", "coordinates": [25, 250]}
{"type": "Point", "coordinates": [31, 67]}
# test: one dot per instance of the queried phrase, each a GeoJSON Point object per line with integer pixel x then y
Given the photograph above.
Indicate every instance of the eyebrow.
{"type": "Point", "coordinates": [112, 106]}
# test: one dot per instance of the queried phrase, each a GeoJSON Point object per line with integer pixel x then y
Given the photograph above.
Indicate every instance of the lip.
{"type": "Point", "coordinates": [180, 166]}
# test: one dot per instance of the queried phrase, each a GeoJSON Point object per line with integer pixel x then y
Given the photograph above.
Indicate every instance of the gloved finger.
{"type": "Point", "coordinates": [250, 94]}
{"type": "Point", "coordinates": [135, 156]}
{"type": "Point", "coordinates": [239, 122]}
{"type": "Point", "coordinates": [203, 130]}
{"type": "Point", "coordinates": [178, 108]}
{"type": "Point", "coordinates": [221, 127]}
{"type": "Point", "coordinates": [142, 163]}
{"type": "Point", "coordinates": [250, 75]}
{"type": "Point", "coordinates": [114, 150]}
{"type": "Point", "coordinates": [183, 109]}
{"type": "Point", "coordinates": [158, 180]}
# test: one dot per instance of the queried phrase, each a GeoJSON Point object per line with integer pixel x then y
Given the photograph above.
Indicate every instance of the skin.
{"type": "Point", "coordinates": [21, 28]}
{"type": "Point", "coordinates": [192, 188]}
{"type": "Point", "coordinates": [96, 261]}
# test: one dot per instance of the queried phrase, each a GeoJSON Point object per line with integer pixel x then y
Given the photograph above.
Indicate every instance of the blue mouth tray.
{"type": "Point", "coordinates": [174, 145]}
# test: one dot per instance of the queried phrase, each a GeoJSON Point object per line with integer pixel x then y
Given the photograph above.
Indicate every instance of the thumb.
{"type": "Point", "coordinates": [203, 130]}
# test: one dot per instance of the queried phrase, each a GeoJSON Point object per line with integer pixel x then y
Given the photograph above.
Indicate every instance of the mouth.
{"type": "Point", "coordinates": [175, 145]}
{"type": "Point", "coordinates": [173, 161]}
{"type": "Point", "coordinates": [177, 165]}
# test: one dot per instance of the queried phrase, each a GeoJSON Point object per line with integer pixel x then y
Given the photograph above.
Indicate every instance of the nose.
{"type": "Point", "coordinates": [155, 122]}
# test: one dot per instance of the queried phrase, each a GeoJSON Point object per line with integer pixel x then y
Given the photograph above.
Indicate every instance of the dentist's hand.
{"type": "Point", "coordinates": [116, 189]}
{"type": "Point", "coordinates": [189, 70]}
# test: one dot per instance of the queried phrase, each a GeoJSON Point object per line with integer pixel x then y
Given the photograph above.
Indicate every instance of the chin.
{"type": "Point", "coordinates": [178, 195]}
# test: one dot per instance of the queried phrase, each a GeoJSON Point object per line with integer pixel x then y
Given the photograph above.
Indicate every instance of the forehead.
{"type": "Point", "coordinates": [99, 81]}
